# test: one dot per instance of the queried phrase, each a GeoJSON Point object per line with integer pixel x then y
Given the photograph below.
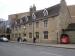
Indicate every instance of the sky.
{"type": "Point", "coordinates": [8, 7]}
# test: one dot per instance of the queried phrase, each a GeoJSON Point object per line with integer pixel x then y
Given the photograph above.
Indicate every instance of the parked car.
{"type": "Point", "coordinates": [3, 39]}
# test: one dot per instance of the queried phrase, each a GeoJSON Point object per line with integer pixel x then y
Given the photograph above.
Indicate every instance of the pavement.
{"type": "Point", "coordinates": [67, 46]}
{"type": "Point", "coordinates": [17, 49]}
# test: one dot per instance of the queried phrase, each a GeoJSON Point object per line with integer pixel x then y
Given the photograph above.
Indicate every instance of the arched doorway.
{"type": "Point", "coordinates": [64, 39]}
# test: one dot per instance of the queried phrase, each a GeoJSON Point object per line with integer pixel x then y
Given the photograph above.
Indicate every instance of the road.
{"type": "Point", "coordinates": [16, 49]}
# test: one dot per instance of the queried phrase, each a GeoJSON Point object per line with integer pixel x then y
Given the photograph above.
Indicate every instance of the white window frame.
{"type": "Point", "coordinates": [46, 23]}
{"type": "Point", "coordinates": [33, 16]}
{"type": "Point", "coordinates": [45, 12]}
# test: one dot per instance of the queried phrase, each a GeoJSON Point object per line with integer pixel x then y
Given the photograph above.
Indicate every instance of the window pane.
{"type": "Point", "coordinates": [45, 23]}
{"type": "Point", "coordinates": [45, 34]}
{"type": "Point", "coordinates": [24, 34]}
{"type": "Point", "coordinates": [37, 34]}
{"type": "Point", "coordinates": [30, 35]}
{"type": "Point", "coordinates": [45, 12]}
{"type": "Point", "coordinates": [37, 24]}
{"type": "Point", "coordinates": [30, 24]}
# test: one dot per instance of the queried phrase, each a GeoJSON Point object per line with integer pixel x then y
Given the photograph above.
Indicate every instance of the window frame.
{"type": "Point", "coordinates": [45, 12]}
{"type": "Point", "coordinates": [26, 17]}
{"type": "Point", "coordinates": [30, 24]}
{"type": "Point", "coordinates": [37, 24]}
{"type": "Point", "coordinates": [37, 35]}
{"type": "Point", "coordinates": [45, 34]}
{"type": "Point", "coordinates": [30, 35]}
{"type": "Point", "coordinates": [45, 23]}
{"type": "Point", "coordinates": [33, 16]}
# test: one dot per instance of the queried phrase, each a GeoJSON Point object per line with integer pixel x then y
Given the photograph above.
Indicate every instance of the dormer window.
{"type": "Point", "coordinates": [33, 16]}
{"type": "Point", "coordinates": [45, 12]}
{"type": "Point", "coordinates": [21, 21]}
{"type": "Point", "coordinates": [26, 18]}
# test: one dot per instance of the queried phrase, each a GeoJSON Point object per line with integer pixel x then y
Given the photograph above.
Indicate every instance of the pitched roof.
{"type": "Point", "coordinates": [52, 11]}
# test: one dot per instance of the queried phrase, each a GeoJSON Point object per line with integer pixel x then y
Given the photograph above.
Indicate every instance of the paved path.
{"type": "Point", "coordinates": [69, 46]}
{"type": "Point", "coordinates": [17, 49]}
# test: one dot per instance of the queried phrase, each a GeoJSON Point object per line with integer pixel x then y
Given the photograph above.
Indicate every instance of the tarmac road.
{"type": "Point", "coordinates": [17, 49]}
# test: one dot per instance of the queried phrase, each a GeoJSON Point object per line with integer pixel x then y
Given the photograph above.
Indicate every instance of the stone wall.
{"type": "Point", "coordinates": [71, 36]}
{"type": "Point", "coordinates": [72, 13]}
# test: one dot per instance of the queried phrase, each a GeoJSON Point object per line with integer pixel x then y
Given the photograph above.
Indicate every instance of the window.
{"type": "Point", "coordinates": [45, 12]}
{"type": "Point", "coordinates": [37, 34]}
{"type": "Point", "coordinates": [30, 24]}
{"type": "Point", "coordinates": [8, 30]}
{"type": "Point", "coordinates": [37, 24]}
{"type": "Point", "coordinates": [16, 35]}
{"type": "Point", "coordinates": [26, 18]}
{"type": "Point", "coordinates": [45, 34]}
{"type": "Point", "coordinates": [21, 22]}
{"type": "Point", "coordinates": [33, 16]}
{"type": "Point", "coordinates": [12, 35]}
{"type": "Point", "coordinates": [45, 23]}
{"type": "Point", "coordinates": [24, 34]}
{"type": "Point", "coordinates": [30, 35]}
{"type": "Point", "coordinates": [19, 34]}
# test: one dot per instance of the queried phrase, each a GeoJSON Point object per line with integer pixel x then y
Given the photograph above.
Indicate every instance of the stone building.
{"type": "Point", "coordinates": [46, 25]}
{"type": "Point", "coordinates": [4, 29]}
{"type": "Point", "coordinates": [71, 27]}
{"type": "Point", "coordinates": [72, 12]}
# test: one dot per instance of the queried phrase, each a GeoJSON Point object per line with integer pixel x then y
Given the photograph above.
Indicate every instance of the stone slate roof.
{"type": "Point", "coordinates": [52, 11]}
{"type": "Point", "coordinates": [39, 14]}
